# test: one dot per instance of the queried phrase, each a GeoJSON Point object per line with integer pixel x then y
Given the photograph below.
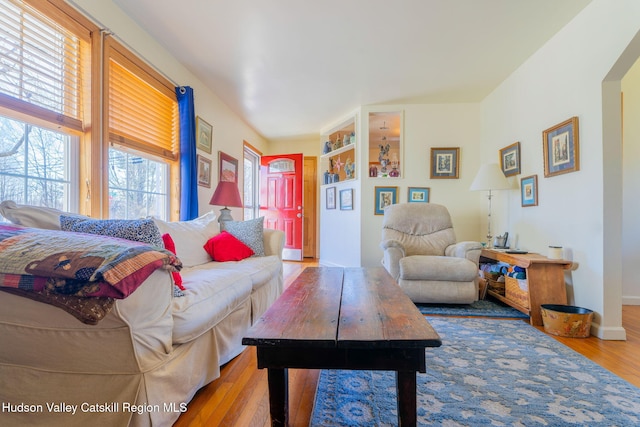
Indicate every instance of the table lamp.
{"type": "Point", "coordinates": [489, 178]}
{"type": "Point", "coordinates": [226, 195]}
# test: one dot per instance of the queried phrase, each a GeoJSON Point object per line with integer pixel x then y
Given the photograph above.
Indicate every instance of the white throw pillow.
{"type": "Point", "coordinates": [33, 216]}
{"type": "Point", "coordinates": [190, 237]}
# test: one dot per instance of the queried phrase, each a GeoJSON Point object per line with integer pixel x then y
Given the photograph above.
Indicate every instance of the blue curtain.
{"type": "Point", "coordinates": [188, 166]}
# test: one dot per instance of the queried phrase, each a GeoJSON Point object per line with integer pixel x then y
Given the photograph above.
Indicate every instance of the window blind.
{"type": "Point", "coordinates": [40, 66]}
{"type": "Point", "coordinates": [141, 116]}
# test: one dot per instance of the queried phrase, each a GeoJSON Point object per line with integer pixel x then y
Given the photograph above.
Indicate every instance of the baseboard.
{"type": "Point", "coordinates": [616, 333]}
{"type": "Point", "coordinates": [630, 300]}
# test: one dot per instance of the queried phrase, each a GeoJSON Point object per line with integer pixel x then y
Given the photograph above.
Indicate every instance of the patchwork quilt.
{"type": "Point", "coordinates": [67, 265]}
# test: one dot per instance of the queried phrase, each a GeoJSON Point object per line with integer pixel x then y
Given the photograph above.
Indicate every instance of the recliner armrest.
{"type": "Point", "coordinates": [469, 250]}
{"type": "Point", "coordinates": [393, 252]}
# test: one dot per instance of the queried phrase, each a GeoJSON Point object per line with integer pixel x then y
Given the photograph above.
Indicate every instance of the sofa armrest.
{"type": "Point", "coordinates": [273, 242]}
{"type": "Point", "coordinates": [393, 251]}
{"type": "Point", "coordinates": [469, 250]}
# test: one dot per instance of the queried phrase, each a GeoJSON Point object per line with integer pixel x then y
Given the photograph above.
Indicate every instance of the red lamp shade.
{"type": "Point", "coordinates": [226, 194]}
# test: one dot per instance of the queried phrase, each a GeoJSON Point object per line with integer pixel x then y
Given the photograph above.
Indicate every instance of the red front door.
{"type": "Point", "coordinates": [281, 199]}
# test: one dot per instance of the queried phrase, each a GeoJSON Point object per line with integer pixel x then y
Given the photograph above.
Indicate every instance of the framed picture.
{"type": "Point", "coordinates": [346, 199]}
{"type": "Point", "coordinates": [204, 135]}
{"type": "Point", "coordinates": [384, 196]}
{"type": "Point", "coordinates": [204, 171]}
{"type": "Point", "coordinates": [418, 195]}
{"type": "Point", "coordinates": [331, 197]}
{"type": "Point", "coordinates": [444, 162]}
{"type": "Point", "coordinates": [561, 148]}
{"type": "Point", "coordinates": [228, 168]}
{"type": "Point", "coordinates": [510, 159]}
{"type": "Point", "coordinates": [529, 191]}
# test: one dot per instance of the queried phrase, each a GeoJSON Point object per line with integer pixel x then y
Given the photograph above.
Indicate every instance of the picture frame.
{"type": "Point", "coordinates": [204, 171]}
{"type": "Point", "coordinates": [529, 191]}
{"type": "Point", "coordinates": [510, 159]}
{"type": "Point", "coordinates": [418, 194]}
{"type": "Point", "coordinates": [384, 196]}
{"type": "Point", "coordinates": [445, 162]}
{"type": "Point", "coordinates": [331, 197]}
{"type": "Point", "coordinates": [204, 135]}
{"type": "Point", "coordinates": [561, 147]}
{"type": "Point", "coordinates": [227, 168]}
{"type": "Point", "coordinates": [346, 199]}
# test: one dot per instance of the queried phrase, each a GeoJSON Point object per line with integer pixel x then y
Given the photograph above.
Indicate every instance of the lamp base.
{"type": "Point", "coordinates": [225, 215]}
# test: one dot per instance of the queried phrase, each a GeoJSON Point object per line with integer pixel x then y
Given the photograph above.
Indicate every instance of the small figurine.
{"type": "Point", "coordinates": [327, 147]}
{"type": "Point", "coordinates": [349, 168]}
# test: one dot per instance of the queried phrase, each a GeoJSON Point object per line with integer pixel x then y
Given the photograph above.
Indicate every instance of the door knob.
{"type": "Point", "coordinates": [299, 215]}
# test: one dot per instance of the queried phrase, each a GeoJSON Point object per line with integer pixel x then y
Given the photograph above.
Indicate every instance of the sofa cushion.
{"type": "Point", "coordinates": [190, 237]}
{"type": "Point", "coordinates": [259, 269]}
{"type": "Point", "coordinates": [33, 216]}
{"type": "Point", "coordinates": [225, 247]}
{"type": "Point", "coordinates": [211, 295]}
{"type": "Point", "coordinates": [138, 230]}
{"type": "Point", "coordinates": [251, 233]}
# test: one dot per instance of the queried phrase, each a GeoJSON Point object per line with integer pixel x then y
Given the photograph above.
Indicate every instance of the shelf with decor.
{"type": "Point", "coordinates": [338, 159]}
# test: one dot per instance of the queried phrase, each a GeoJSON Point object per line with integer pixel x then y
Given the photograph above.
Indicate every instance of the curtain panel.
{"type": "Point", "coordinates": [188, 166]}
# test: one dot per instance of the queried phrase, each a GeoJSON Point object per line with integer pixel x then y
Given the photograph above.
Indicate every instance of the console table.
{"type": "Point", "coordinates": [545, 277]}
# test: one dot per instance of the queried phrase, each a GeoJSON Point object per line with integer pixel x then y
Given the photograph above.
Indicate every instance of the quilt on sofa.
{"type": "Point", "coordinates": [64, 268]}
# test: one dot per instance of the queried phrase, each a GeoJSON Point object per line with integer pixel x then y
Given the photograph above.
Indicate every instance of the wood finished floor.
{"type": "Point", "coordinates": [240, 397]}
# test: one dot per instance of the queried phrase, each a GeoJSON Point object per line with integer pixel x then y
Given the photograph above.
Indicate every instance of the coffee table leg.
{"type": "Point", "coordinates": [278, 396]}
{"type": "Point", "coordinates": [406, 385]}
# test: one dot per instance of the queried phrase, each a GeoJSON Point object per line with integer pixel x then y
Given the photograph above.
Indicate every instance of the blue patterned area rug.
{"type": "Point", "coordinates": [484, 308]}
{"type": "Point", "coordinates": [487, 372]}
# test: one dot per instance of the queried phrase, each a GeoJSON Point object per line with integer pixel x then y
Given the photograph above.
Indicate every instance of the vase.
{"type": "Point", "coordinates": [394, 173]}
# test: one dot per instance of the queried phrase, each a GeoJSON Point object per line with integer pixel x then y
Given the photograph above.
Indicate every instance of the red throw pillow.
{"type": "Point", "coordinates": [226, 247]}
{"type": "Point", "coordinates": [171, 247]}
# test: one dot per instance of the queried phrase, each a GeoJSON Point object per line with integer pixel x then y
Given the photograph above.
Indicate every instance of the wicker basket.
{"type": "Point", "coordinates": [517, 290]}
{"type": "Point", "coordinates": [495, 286]}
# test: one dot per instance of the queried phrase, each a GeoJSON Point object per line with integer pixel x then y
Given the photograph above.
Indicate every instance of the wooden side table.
{"type": "Point", "coordinates": [545, 277]}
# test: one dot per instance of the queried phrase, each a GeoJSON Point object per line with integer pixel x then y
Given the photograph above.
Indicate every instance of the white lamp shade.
{"type": "Point", "coordinates": [489, 177]}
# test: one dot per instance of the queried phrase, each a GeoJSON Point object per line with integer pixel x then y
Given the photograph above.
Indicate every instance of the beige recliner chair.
{"type": "Point", "coordinates": [421, 253]}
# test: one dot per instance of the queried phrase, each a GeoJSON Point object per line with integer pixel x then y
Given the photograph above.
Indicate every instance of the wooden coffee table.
{"type": "Point", "coordinates": [334, 318]}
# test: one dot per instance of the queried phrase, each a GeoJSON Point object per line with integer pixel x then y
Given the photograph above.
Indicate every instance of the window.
{"type": "Point", "coordinates": [55, 149]}
{"type": "Point", "coordinates": [42, 75]}
{"type": "Point", "coordinates": [143, 137]}
{"type": "Point", "coordinates": [138, 186]}
{"type": "Point", "coordinates": [251, 182]}
{"type": "Point", "coordinates": [34, 165]}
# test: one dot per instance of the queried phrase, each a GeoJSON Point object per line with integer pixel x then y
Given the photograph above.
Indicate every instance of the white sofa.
{"type": "Point", "coordinates": [145, 360]}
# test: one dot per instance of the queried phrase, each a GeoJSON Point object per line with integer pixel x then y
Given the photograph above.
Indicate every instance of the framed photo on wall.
{"type": "Point", "coordinates": [331, 198]}
{"type": "Point", "coordinates": [228, 168]}
{"type": "Point", "coordinates": [418, 195]}
{"type": "Point", "coordinates": [510, 159]}
{"type": "Point", "coordinates": [444, 163]}
{"type": "Point", "coordinates": [204, 171]}
{"type": "Point", "coordinates": [384, 196]}
{"type": "Point", "coordinates": [529, 191]}
{"type": "Point", "coordinates": [561, 148]}
{"type": "Point", "coordinates": [346, 199]}
{"type": "Point", "coordinates": [204, 135]}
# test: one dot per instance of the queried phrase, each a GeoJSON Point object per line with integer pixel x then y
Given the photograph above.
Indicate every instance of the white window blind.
{"type": "Point", "coordinates": [40, 66]}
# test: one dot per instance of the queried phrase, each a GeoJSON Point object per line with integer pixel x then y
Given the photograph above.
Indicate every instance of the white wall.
{"type": "Point", "coordinates": [229, 131]}
{"type": "Point", "coordinates": [564, 79]}
{"type": "Point", "coordinates": [631, 186]}
{"type": "Point", "coordinates": [426, 126]}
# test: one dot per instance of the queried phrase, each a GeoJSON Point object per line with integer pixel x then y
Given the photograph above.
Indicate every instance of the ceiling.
{"type": "Point", "coordinates": [292, 67]}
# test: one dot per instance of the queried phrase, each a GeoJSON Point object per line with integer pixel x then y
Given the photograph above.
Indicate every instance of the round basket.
{"type": "Point", "coordinates": [566, 320]}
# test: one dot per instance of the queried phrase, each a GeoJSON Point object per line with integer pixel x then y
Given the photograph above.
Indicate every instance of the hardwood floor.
{"type": "Point", "coordinates": [240, 397]}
